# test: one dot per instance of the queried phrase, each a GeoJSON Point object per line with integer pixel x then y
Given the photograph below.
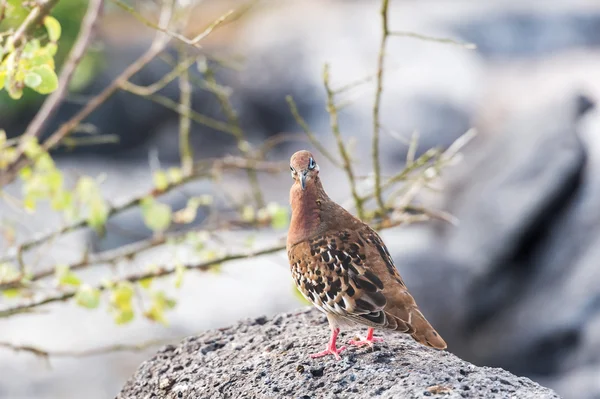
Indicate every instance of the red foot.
{"type": "Point", "coordinates": [331, 347]}
{"type": "Point", "coordinates": [329, 351]}
{"type": "Point", "coordinates": [369, 340]}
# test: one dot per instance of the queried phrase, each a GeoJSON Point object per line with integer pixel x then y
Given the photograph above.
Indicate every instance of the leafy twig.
{"type": "Point", "coordinates": [33, 19]}
{"type": "Point", "coordinates": [132, 278]}
{"type": "Point", "coordinates": [52, 103]}
{"type": "Point", "coordinates": [206, 168]}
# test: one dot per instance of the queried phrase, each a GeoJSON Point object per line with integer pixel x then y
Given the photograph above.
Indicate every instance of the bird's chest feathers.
{"type": "Point", "coordinates": [306, 216]}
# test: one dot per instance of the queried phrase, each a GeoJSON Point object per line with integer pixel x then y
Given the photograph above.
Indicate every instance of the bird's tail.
{"type": "Point", "coordinates": [424, 333]}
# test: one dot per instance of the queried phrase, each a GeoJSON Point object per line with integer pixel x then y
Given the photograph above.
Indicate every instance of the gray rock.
{"type": "Point", "coordinates": [518, 276]}
{"type": "Point", "coordinates": [267, 358]}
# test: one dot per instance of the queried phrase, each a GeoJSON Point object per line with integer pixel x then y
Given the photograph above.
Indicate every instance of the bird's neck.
{"type": "Point", "coordinates": [306, 211]}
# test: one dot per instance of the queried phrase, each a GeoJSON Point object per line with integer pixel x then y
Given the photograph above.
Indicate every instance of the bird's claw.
{"type": "Point", "coordinates": [329, 351]}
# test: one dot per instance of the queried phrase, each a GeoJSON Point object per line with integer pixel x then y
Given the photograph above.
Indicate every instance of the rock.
{"type": "Point", "coordinates": [518, 278]}
{"type": "Point", "coordinates": [518, 33]}
{"type": "Point", "coordinates": [265, 358]}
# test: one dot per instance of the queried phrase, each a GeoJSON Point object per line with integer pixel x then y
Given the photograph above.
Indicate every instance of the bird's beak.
{"type": "Point", "coordinates": [303, 179]}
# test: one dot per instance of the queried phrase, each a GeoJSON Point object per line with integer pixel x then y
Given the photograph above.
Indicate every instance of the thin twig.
{"type": "Point", "coordinates": [377, 105]}
{"type": "Point", "coordinates": [243, 145]}
{"type": "Point", "coordinates": [193, 115]}
{"type": "Point", "coordinates": [145, 91]}
{"type": "Point", "coordinates": [333, 118]}
{"type": "Point", "coordinates": [192, 42]}
{"type": "Point", "coordinates": [46, 353]}
{"type": "Point", "coordinates": [468, 46]}
{"type": "Point", "coordinates": [311, 136]}
{"type": "Point", "coordinates": [185, 99]}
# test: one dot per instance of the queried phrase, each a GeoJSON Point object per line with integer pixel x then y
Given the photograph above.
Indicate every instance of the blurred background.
{"type": "Point", "coordinates": [513, 285]}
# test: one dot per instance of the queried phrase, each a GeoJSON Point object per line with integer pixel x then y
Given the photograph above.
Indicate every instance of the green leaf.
{"type": "Point", "coordinates": [49, 79]}
{"type": "Point", "coordinates": [32, 148]}
{"type": "Point", "coordinates": [43, 161]}
{"type": "Point", "coordinates": [179, 272]}
{"type": "Point", "coordinates": [175, 175]}
{"type": "Point", "coordinates": [122, 294]}
{"type": "Point", "coordinates": [87, 296]}
{"type": "Point", "coordinates": [29, 204]}
{"type": "Point", "coordinates": [161, 181]}
{"type": "Point", "coordinates": [157, 216]}
{"type": "Point", "coordinates": [65, 276]}
{"type": "Point", "coordinates": [53, 28]}
{"type": "Point", "coordinates": [98, 214]}
{"type": "Point", "coordinates": [62, 200]}
{"type": "Point", "coordinates": [86, 188]}
{"type": "Point", "coordinates": [2, 78]}
{"type": "Point", "coordinates": [120, 301]}
{"type": "Point", "coordinates": [52, 48]}
{"type": "Point", "coordinates": [160, 304]}
{"type": "Point", "coordinates": [124, 316]}
{"type": "Point", "coordinates": [25, 173]}
{"type": "Point", "coordinates": [15, 91]}
{"type": "Point", "coordinates": [146, 283]}
{"type": "Point", "coordinates": [279, 216]}
{"type": "Point", "coordinates": [43, 57]}
{"type": "Point", "coordinates": [32, 80]}
{"type": "Point", "coordinates": [11, 293]}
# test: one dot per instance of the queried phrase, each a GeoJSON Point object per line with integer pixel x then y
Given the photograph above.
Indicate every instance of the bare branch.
{"type": "Point", "coordinates": [468, 46]}
{"type": "Point", "coordinates": [376, 106]}
{"type": "Point", "coordinates": [45, 353]}
{"type": "Point", "coordinates": [192, 42]}
{"type": "Point", "coordinates": [333, 117]}
{"type": "Point", "coordinates": [243, 145]}
{"type": "Point", "coordinates": [185, 100]}
{"type": "Point", "coordinates": [311, 136]}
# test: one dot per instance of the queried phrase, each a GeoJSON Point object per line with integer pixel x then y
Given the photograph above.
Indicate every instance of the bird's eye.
{"type": "Point", "coordinates": [292, 169]}
{"type": "Point", "coordinates": [311, 164]}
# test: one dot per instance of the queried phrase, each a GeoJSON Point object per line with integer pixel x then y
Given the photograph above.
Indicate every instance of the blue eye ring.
{"type": "Point", "coordinates": [311, 164]}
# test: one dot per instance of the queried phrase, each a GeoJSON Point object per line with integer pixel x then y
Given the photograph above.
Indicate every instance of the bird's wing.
{"type": "Point", "coordinates": [401, 309]}
{"type": "Point", "coordinates": [350, 273]}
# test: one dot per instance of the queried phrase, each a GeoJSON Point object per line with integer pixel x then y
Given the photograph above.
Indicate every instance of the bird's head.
{"type": "Point", "coordinates": [304, 168]}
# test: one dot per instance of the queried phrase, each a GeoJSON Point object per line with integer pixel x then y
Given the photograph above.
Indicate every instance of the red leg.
{"type": "Point", "coordinates": [331, 347]}
{"type": "Point", "coordinates": [369, 340]}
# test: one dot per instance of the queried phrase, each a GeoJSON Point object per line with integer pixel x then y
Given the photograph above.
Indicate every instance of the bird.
{"type": "Point", "coordinates": [342, 267]}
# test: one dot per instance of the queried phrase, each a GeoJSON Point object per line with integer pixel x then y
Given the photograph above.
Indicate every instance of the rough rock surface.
{"type": "Point", "coordinates": [264, 358]}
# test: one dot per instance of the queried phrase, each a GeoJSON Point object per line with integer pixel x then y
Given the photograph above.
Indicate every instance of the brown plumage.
{"type": "Point", "coordinates": [343, 267]}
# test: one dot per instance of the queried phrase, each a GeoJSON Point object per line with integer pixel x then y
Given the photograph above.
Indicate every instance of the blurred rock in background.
{"type": "Point", "coordinates": [514, 285]}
